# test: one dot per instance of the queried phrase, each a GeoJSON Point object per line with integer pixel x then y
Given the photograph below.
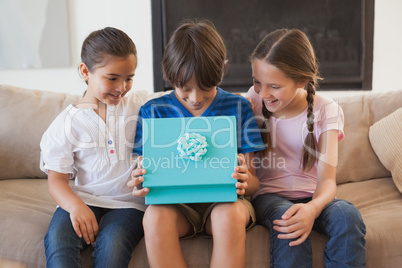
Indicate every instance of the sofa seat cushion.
{"type": "Point", "coordinates": [198, 251]}
{"type": "Point", "coordinates": [379, 202]}
{"type": "Point", "coordinates": [26, 209]}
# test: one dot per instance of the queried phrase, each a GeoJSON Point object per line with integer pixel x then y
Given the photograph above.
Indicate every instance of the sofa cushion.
{"type": "Point", "coordinates": [25, 115]}
{"type": "Point", "coordinates": [379, 202]}
{"type": "Point", "coordinates": [357, 160]}
{"type": "Point", "coordinates": [386, 140]}
{"type": "Point", "coordinates": [26, 209]}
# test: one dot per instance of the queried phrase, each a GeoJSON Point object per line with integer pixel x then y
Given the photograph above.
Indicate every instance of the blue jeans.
{"type": "Point", "coordinates": [119, 232]}
{"type": "Point", "coordinates": [340, 221]}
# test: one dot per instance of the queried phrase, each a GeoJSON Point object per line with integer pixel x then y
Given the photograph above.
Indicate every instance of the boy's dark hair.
{"type": "Point", "coordinates": [195, 48]}
{"type": "Point", "coordinates": [291, 51]}
{"type": "Point", "coordinates": [106, 42]}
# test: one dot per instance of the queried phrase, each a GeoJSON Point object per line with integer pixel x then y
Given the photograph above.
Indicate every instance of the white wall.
{"type": "Point", "coordinates": [387, 66]}
{"type": "Point", "coordinates": [134, 17]}
{"type": "Point", "coordinates": [131, 16]}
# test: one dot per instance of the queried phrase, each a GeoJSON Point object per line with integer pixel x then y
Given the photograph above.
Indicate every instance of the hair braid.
{"type": "Point", "coordinates": [309, 152]}
{"type": "Point", "coordinates": [265, 129]}
{"type": "Point", "coordinates": [291, 51]}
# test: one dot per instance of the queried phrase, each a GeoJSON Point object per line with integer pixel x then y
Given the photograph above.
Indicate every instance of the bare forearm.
{"type": "Point", "coordinates": [326, 170]}
{"type": "Point", "coordinates": [324, 194]}
{"type": "Point", "coordinates": [61, 192]}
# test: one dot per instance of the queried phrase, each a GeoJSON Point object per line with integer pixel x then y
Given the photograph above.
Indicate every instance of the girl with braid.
{"type": "Point", "coordinates": [297, 170]}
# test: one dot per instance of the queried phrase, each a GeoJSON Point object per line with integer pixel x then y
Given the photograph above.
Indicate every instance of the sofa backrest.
{"type": "Point", "coordinates": [25, 115]}
{"type": "Point", "coordinates": [357, 160]}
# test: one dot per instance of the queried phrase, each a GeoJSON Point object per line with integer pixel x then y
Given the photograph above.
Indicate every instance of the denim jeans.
{"type": "Point", "coordinates": [340, 221]}
{"type": "Point", "coordinates": [119, 232]}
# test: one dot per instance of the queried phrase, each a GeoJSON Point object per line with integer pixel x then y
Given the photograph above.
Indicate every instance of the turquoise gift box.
{"type": "Point", "coordinates": [171, 178]}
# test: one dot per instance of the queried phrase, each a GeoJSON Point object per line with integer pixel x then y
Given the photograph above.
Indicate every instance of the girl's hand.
{"type": "Point", "coordinates": [81, 216]}
{"type": "Point", "coordinates": [84, 223]}
{"type": "Point", "coordinates": [137, 179]}
{"type": "Point", "coordinates": [241, 175]}
{"type": "Point", "coordinates": [296, 223]}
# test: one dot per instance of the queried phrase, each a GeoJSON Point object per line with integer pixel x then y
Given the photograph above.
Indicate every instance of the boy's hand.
{"type": "Point", "coordinates": [241, 175]}
{"type": "Point", "coordinates": [137, 179]}
{"type": "Point", "coordinates": [84, 223]}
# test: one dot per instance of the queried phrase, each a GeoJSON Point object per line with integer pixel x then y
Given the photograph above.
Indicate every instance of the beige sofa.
{"type": "Point", "coordinates": [26, 207]}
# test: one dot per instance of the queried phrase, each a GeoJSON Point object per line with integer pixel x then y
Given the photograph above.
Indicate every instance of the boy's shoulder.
{"type": "Point", "coordinates": [233, 104]}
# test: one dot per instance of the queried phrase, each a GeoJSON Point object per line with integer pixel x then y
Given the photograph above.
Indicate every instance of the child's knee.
{"type": "Point", "coordinates": [61, 230]}
{"type": "Point", "coordinates": [165, 219]}
{"type": "Point", "coordinates": [65, 233]}
{"type": "Point", "coordinates": [229, 214]}
{"type": "Point", "coordinates": [156, 215]}
{"type": "Point", "coordinates": [344, 213]}
{"type": "Point", "coordinates": [354, 219]}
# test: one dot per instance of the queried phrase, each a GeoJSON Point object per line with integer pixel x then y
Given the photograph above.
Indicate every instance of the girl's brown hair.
{"type": "Point", "coordinates": [291, 51]}
{"type": "Point", "coordinates": [195, 48]}
{"type": "Point", "coordinates": [103, 43]}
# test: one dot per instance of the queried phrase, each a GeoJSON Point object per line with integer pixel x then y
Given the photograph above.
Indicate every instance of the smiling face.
{"type": "Point", "coordinates": [282, 95]}
{"type": "Point", "coordinates": [194, 99]}
{"type": "Point", "coordinates": [109, 83]}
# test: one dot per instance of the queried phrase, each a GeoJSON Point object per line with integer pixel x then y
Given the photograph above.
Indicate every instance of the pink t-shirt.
{"type": "Point", "coordinates": [281, 172]}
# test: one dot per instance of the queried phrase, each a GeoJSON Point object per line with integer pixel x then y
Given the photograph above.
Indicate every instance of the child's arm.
{"type": "Point", "coordinates": [297, 222]}
{"type": "Point", "coordinates": [245, 174]}
{"type": "Point", "coordinates": [326, 170]}
{"type": "Point", "coordinates": [82, 217]}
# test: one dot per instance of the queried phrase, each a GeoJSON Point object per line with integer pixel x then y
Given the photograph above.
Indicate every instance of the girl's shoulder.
{"type": "Point", "coordinates": [322, 102]}
{"type": "Point", "coordinates": [255, 100]}
{"type": "Point", "coordinates": [68, 112]}
{"type": "Point", "coordinates": [322, 99]}
{"type": "Point", "coordinates": [70, 116]}
{"type": "Point", "coordinates": [58, 126]}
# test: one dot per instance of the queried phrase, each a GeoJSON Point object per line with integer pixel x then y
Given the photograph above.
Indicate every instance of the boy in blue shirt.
{"type": "Point", "coordinates": [194, 63]}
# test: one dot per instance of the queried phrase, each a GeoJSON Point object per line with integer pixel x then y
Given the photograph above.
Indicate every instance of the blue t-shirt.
{"type": "Point", "coordinates": [224, 104]}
